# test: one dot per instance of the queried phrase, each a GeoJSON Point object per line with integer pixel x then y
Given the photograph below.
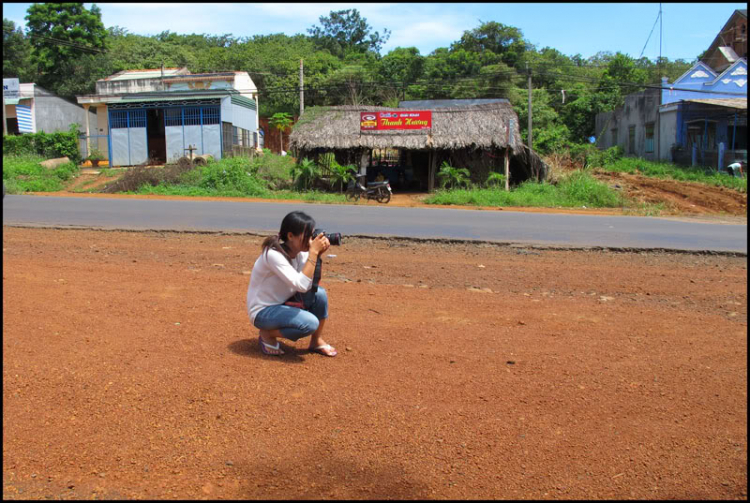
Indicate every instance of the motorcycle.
{"type": "Point", "coordinates": [380, 191]}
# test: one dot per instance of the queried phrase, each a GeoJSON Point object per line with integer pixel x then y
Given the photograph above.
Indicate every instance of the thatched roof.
{"type": "Point", "coordinates": [476, 126]}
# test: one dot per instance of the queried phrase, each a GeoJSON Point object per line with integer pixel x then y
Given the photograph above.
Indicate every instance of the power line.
{"type": "Point", "coordinates": [67, 43]}
{"type": "Point", "coordinates": [652, 31]}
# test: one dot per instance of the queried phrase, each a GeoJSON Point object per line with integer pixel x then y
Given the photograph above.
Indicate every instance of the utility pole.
{"type": "Point", "coordinates": [529, 135]}
{"type": "Point", "coordinates": [660, 31]}
{"type": "Point", "coordinates": [301, 90]}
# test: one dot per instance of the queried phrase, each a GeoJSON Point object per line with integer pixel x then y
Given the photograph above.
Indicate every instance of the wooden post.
{"type": "Point", "coordinates": [431, 171]}
{"type": "Point", "coordinates": [301, 91]}
{"type": "Point", "coordinates": [507, 168]}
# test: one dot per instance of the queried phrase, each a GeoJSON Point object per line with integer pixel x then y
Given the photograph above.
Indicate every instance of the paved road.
{"type": "Point", "coordinates": [498, 226]}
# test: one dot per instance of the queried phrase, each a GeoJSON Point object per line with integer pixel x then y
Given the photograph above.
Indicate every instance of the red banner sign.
{"type": "Point", "coordinates": [411, 119]}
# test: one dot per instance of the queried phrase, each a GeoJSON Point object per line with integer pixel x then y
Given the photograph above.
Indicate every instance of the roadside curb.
{"type": "Point", "coordinates": [509, 244]}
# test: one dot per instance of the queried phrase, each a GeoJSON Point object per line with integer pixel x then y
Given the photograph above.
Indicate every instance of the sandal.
{"type": "Point", "coordinates": [264, 347]}
{"type": "Point", "coordinates": [321, 350]}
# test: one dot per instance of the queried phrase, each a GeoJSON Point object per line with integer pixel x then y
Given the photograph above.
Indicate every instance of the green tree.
{"type": "Point", "coordinates": [346, 31]}
{"type": "Point", "coordinates": [16, 49]}
{"type": "Point", "coordinates": [497, 38]}
{"type": "Point", "coordinates": [281, 121]}
{"type": "Point", "coordinates": [60, 34]}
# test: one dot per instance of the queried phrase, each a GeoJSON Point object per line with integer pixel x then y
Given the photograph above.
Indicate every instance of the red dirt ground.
{"type": "Point", "coordinates": [131, 370]}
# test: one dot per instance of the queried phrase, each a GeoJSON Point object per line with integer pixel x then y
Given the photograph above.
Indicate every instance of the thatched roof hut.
{"type": "Point", "coordinates": [458, 134]}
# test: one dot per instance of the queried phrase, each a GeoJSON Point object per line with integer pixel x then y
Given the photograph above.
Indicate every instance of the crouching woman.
{"type": "Point", "coordinates": [285, 267]}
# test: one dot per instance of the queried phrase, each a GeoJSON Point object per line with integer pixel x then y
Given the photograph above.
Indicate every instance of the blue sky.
{"type": "Point", "coordinates": [571, 28]}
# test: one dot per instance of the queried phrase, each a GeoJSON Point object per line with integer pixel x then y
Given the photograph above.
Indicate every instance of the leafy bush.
{"type": "Point", "coordinates": [234, 174]}
{"type": "Point", "coordinates": [495, 180]}
{"type": "Point", "coordinates": [96, 155]}
{"type": "Point", "coordinates": [452, 177]}
{"type": "Point", "coordinates": [578, 189]}
{"type": "Point", "coordinates": [305, 173]}
{"type": "Point", "coordinates": [53, 145]}
{"type": "Point", "coordinates": [589, 156]}
{"type": "Point", "coordinates": [275, 169]}
{"type": "Point", "coordinates": [342, 174]}
{"type": "Point", "coordinates": [582, 189]}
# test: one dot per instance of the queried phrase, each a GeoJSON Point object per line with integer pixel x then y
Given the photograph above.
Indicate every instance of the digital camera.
{"type": "Point", "coordinates": [333, 237]}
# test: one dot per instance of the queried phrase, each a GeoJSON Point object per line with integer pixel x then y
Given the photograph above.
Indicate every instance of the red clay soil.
{"type": "Point", "coordinates": [131, 370]}
{"type": "Point", "coordinates": [678, 198]}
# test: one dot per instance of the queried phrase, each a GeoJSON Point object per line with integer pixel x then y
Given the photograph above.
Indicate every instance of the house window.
{"type": "Point", "coordinates": [173, 117]}
{"type": "Point", "coordinates": [192, 116]}
{"type": "Point", "coordinates": [650, 138]}
{"type": "Point", "coordinates": [631, 140]}
{"type": "Point", "coordinates": [614, 137]}
{"type": "Point", "coordinates": [118, 119]}
{"type": "Point", "coordinates": [210, 116]}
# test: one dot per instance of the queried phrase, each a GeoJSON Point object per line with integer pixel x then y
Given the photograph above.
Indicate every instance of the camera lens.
{"type": "Point", "coordinates": [334, 238]}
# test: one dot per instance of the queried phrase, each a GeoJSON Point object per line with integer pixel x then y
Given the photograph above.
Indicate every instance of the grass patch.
{"type": "Point", "coordinates": [575, 190]}
{"type": "Point", "coordinates": [266, 176]}
{"type": "Point", "coordinates": [23, 173]}
{"type": "Point", "coordinates": [670, 171]}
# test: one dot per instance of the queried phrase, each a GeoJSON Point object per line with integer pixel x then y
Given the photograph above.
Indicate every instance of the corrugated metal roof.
{"type": "Point", "coordinates": [243, 101]}
{"type": "Point", "coordinates": [739, 103]}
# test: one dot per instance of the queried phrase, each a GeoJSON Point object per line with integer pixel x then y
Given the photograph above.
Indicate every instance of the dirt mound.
{"type": "Point", "coordinates": [679, 198]}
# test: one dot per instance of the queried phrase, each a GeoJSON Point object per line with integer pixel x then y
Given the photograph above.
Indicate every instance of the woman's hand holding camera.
{"type": "Point", "coordinates": [319, 244]}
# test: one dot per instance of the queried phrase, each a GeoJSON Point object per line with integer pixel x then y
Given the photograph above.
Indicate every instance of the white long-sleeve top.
{"type": "Point", "coordinates": [273, 280]}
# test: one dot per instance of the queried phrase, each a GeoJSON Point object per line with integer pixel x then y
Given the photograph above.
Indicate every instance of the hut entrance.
{"type": "Point", "coordinates": [406, 170]}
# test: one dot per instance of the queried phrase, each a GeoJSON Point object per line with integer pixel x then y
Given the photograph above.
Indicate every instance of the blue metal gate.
{"type": "Point", "coordinates": [128, 140]}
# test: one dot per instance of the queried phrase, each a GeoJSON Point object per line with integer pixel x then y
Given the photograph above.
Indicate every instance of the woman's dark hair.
{"type": "Point", "coordinates": [296, 222]}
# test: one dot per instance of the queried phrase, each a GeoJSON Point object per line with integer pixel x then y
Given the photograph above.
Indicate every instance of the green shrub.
{"type": "Point", "coordinates": [96, 155]}
{"type": "Point", "coordinates": [495, 180]}
{"type": "Point", "coordinates": [305, 173]}
{"type": "Point", "coordinates": [341, 175]}
{"type": "Point", "coordinates": [276, 170]}
{"type": "Point", "coordinates": [578, 189]}
{"type": "Point", "coordinates": [452, 177]}
{"type": "Point", "coordinates": [232, 175]}
{"type": "Point", "coordinates": [53, 145]}
{"type": "Point", "coordinates": [582, 189]}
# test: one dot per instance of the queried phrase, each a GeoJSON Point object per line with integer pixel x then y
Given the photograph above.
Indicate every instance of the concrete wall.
{"type": "Point", "coordinates": [668, 122]}
{"type": "Point", "coordinates": [53, 113]}
{"type": "Point", "coordinates": [639, 109]}
{"type": "Point", "coordinates": [101, 127]}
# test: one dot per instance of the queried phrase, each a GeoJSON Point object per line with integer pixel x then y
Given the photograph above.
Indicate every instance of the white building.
{"type": "Point", "coordinates": [158, 115]}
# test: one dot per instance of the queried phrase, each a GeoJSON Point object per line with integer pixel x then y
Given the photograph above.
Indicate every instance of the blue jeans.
{"type": "Point", "coordinates": [292, 322]}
